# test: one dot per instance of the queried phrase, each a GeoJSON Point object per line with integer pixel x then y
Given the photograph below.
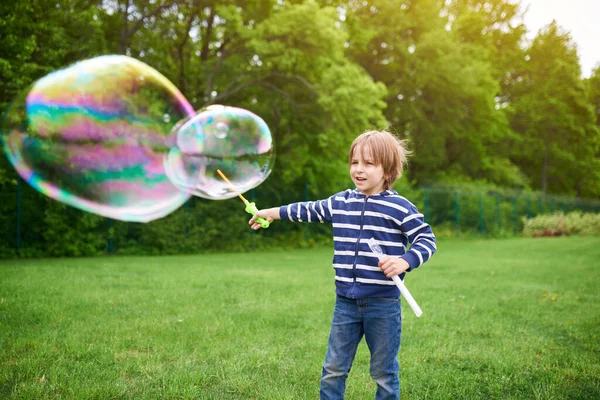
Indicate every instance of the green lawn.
{"type": "Point", "coordinates": [502, 319]}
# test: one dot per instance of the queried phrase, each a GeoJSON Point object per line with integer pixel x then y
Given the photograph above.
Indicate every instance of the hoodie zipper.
{"type": "Point", "coordinates": [362, 214]}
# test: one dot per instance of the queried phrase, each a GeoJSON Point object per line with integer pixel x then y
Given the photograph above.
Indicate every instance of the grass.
{"type": "Point", "coordinates": [504, 319]}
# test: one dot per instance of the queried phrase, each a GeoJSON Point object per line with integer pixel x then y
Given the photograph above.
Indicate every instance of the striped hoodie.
{"type": "Point", "coordinates": [394, 223]}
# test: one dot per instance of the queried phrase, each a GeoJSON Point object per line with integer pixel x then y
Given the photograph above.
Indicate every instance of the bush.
{"type": "Point", "coordinates": [71, 232]}
{"type": "Point", "coordinates": [34, 225]}
{"type": "Point", "coordinates": [559, 224]}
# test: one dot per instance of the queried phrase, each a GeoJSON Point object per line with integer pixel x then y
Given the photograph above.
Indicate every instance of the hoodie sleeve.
{"type": "Point", "coordinates": [309, 211]}
{"type": "Point", "coordinates": [420, 236]}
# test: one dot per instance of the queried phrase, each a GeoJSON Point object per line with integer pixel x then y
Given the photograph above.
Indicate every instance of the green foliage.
{"type": "Point", "coordinates": [202, 226]}
{"type": "Point", "coordinates": [559, 143]}
{"type": "Point", "coordinates": [40, 36]}
{"type": "Point", "coordinates": [594, 93]}
{"type": "Point", "coordinates": [485, 112]}
{"type": "Point", "coordinates": [71, 232]}
{"type": "Point", "coordinates": [442, 84]}
{"type": "Point", "coordinates": [205, 226]}
{"type": "Point", "coordinates": [560, 224]}
{"type": "Point", "coordinates": [480, 209]}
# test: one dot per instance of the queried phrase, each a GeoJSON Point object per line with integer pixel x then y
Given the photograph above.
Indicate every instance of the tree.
{"type": "Point", "coordinates": [284, 62]}
{"type": "Point", "coordinates": [41, 36]}
{"type": "Point", "coordinates": [590, 185]}
{"type": "Point", "coordinates": [496, 27]}
{"type": "Point", "coordinates": [441, 88]}
{"type": "Point", "coordinates": [559, 138]}
{"type": "Point", "coordinates": [594, 93]}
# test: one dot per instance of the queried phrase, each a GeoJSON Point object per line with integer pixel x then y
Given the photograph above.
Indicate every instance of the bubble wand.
{"type": "Point", "coordinates": [250, 207]}
{"type": "Point", "coordinates": [375, 248]}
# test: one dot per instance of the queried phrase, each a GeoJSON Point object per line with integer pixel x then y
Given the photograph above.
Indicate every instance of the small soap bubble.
{"type": "Point", "coordinates": [221, 130]}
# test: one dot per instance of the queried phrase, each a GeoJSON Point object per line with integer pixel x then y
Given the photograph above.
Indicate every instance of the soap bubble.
{"type": "Point", "coordinates": [221, 130]}
{"type": "Point", "coordinates": [94, 135]}
{"type": "Point", "coordinates": [230, 139]}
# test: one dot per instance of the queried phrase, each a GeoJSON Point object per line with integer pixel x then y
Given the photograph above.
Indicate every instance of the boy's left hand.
{"type": "Point", "coordinates": [393, 266]}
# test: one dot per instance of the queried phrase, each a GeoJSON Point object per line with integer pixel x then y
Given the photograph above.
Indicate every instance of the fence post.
{"type": "Point", "coordinates": [480, 214]}
{"type": "Point", "coordinates": [306, 225]}
{"type": "Point", "coordinates": [515, 215]}
{"type": "Point", "coordinates": [426, 216]}
{"type": "Point", "coordinates": [110, 235]}
{"type": "Point", "coordinates": [187, 216]}
{"type": "Point", "coordinates": [498, 216]}
{"type": "Point", "coordinates": [457, 212]}
{"type": "Point", "coordinates": [18, 237]}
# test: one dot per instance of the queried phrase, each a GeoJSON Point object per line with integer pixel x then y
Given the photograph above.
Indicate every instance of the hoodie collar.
{"type": "Point", "coordinates": [385, 193]}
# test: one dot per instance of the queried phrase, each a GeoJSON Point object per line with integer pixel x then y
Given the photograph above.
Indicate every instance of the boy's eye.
{"type": "Point", "coordinates": [354, 162]}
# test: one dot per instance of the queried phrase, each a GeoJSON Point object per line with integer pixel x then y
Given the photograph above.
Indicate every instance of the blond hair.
{"type": "Point", "coordinates": [386, 150]}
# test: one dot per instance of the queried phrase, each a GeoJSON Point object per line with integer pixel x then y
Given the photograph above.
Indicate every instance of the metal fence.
{"type": "Point", "coordinates": [26, 217]}
{"type": "Point", "coordinates": [491, 213]}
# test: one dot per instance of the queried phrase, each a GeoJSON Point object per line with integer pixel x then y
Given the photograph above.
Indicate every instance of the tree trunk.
{"type": "Point", "coordinates": [545, 172]}
{"type": "Point", "coordinates": [207, 35]}
{"type": "Point", "coordinates": [125, 32]}
{"type": "Point", "coordinates": [546, 161]}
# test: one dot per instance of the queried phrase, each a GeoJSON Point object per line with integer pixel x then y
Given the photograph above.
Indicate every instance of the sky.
{"type": "Point", "coordinates": [579, 17]}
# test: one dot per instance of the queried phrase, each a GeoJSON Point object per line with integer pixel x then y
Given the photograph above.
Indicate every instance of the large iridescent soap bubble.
{"type": "Point", "coordinates": [233, 140]}
{"type": "Point", "coordinates": [94, 136]}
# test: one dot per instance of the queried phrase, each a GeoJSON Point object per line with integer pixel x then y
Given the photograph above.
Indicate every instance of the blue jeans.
{"type": "Point", "coordinates": [380, 321]}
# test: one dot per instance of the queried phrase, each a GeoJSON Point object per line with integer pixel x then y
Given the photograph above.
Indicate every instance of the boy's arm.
{"type": "Point", "coordinates": [420, 236]}
{"type": "Point", "coordinates": [309, 211]}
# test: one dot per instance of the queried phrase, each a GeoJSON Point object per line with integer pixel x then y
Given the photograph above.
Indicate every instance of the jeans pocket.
{"type": "Point", "coordinates": [389, 299]}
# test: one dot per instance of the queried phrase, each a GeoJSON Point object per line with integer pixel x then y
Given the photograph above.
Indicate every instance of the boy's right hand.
{"type": "Point", "coordinates": [270, 214]}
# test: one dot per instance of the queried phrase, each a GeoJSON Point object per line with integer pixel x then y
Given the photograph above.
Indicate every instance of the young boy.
{"type": "Point", "coordinates": [367, 302]}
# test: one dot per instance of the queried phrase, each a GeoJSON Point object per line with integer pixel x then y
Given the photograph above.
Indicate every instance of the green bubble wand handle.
{"type": "Point", "coordinates": [250, 207]}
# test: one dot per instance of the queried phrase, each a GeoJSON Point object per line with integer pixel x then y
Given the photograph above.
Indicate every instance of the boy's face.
{"type": "Point", "coordinates": [367, 176]}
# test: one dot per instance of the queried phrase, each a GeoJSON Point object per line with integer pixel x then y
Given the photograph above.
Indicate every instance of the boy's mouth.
{"type": "Point", "coordinates": [360, 179]}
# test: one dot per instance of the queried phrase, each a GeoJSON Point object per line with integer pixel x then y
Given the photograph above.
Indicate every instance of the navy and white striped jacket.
{"type": "Point", "coordinates": [394, 223]}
